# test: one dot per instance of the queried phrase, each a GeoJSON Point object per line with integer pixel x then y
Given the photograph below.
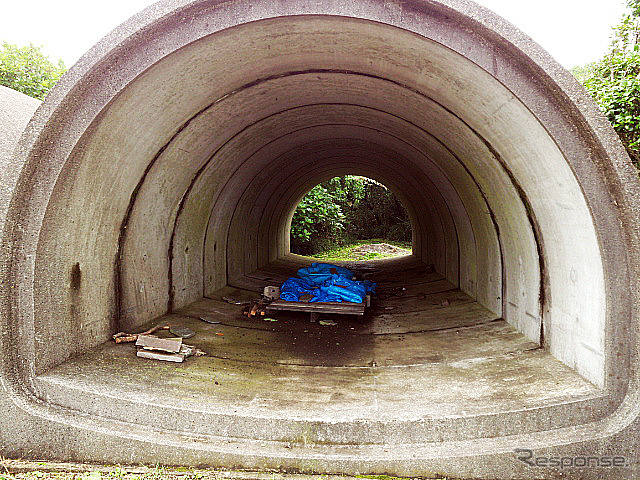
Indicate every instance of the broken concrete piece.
{"type": "Point", "coordinates": [190, 350]}
{"type": "Point", "coordinates": [180, 331]}
{"type": "Point", "coordinates": [209, 320]}
{"type": "Point", "coordinates": [155, 355]}
{"type": "Point", "coordinates": [151, 342]}
{"type": "Point", "coordinates": [178, 357]}
{"type": "Point", "coordinates": [233, 301]}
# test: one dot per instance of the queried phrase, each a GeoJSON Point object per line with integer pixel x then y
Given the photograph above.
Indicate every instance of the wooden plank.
{"type": "Point", "coordinates": [347, 308]}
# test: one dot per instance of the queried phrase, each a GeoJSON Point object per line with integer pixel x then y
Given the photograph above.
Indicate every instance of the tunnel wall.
{"type": "Point", "coordinates": [167, 159]}
{"type": "Point", "coordinates": [163, 167]}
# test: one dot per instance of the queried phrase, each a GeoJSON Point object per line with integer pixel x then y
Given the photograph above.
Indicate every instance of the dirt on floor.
{"type": "Point", "coordinates": [379, 248]}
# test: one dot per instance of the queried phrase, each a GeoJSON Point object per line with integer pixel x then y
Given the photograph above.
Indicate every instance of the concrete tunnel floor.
{"type": "Point", "coordinates": [428, 354]}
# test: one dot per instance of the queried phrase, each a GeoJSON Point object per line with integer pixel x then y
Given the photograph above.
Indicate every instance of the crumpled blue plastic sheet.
{"type": "Point", "coordinates": [339, 294]}
{"type": "Point", "coordinates": [294, 287]}
{"type": "Point", "coordinates": [318, 281]}
{"type": "Point", "coordinates": [321, 272]}
{"type": "Point", "coordinates": [322, 294]}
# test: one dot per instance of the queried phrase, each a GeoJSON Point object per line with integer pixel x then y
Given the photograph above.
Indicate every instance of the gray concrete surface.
{"type": "Point", "coordinates": [378, 380]}
{"type": "Point", "coordinates": [167, 164]}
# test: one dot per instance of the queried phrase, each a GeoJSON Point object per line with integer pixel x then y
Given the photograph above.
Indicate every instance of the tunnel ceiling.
{"type": "Point", "coordinates": [181, 173]}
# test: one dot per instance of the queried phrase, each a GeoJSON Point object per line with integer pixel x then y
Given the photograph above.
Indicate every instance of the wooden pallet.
{"type": "Point", "coordinates": [316, 308]}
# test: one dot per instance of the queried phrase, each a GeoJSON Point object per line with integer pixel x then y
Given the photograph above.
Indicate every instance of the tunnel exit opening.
{"type": "Point", "coordinates": [350, 218]}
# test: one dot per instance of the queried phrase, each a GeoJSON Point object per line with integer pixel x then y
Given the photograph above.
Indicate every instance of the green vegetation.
{"type": "Point", "coordinates": [45, 471]}
{"type": "Point", "coordinates": [614, 81]}
{"type": "Point", "coordinates": [372, 249]}
{"type": "Point", "coordinates": [318, 218]}
{"type": "Point", "coordinates": [388, 477]}
{"type": "Point", "coordinates": [28, 70]}
{"type": "Point", "coordinates": [343, 210]}
{"type": "Point", "coordinates": [22, 469]}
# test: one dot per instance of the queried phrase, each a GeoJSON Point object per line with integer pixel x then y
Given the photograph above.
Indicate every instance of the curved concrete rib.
{"type": "Point", "coordinates": [167, 165]}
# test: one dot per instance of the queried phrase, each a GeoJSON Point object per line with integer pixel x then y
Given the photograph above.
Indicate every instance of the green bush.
{"type": "Point", "coordinates": [614, 81]}
{"type": "Point", "coordinates": [28, 70]}
{"type": "Point", "coordinates": [317, 220]}
{"type": "Point", "coordinates": [345, 209]}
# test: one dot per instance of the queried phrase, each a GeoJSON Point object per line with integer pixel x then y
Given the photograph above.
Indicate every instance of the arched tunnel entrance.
{"type": "Point", "coordinates": [162, 175]}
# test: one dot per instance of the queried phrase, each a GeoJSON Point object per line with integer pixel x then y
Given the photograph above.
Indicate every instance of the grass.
{"type": "Point", "coordinates": [24, 469]}
{"type": "Point", "coordinates": [17, 469]}
{"type": "Point", "coordinates": [346, 252]}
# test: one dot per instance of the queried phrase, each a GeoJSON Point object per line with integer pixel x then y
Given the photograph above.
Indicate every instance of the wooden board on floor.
{"type": "Point", "coordinates": [316, 308]}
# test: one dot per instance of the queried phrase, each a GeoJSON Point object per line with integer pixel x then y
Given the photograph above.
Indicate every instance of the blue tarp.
{"type": "Point", "coordinates": [327, 283]}
{"type": "Point", "coordinates": [320, 272]}
{"type": "Point", "coordinates": [294, 287]}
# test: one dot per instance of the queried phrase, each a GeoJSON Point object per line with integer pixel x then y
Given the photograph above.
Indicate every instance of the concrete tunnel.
{"type": "Point", "coordinates": [163, 172]}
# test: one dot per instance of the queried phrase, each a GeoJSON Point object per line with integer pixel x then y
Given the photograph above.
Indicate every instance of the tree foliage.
{"type": "Point", "coordinates": [345, 209]}
{"type": "Point", "coordinates": [317, 216]}
{"type": "Point", "coordinates": [614, 81]}
{"type": "Point", "coordinates": [28, 70]}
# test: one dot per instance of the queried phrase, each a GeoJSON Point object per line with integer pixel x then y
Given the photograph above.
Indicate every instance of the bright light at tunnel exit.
{"type": "Point", "coordinates": [351, 217]}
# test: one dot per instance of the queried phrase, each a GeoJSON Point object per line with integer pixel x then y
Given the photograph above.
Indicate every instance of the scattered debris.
{"type": "Point", "coordinates": [392, 292]}
{"type": "Point", "coordinates": [327, 322]}
{"type": "Point", "coordinates": [166, 349]}
{"type": "Point", "coordinates": [151, 342]}
{"type": "Point", "coordinates": [191, 351]}
{"type": "Point", "coordinates": [445, 303]}
{"type": "Point", "coordinates": [258, 308]}
{"type": "Point", "coordinates": [155, 355]}
{"type": "Point", "coordinates": [185, 351]}
{"type": "Point", "coordinates": [389, 308]}
{"type": "Point", "coordinates": [271, 293]}
{"type": "Point", "coordinates": [209, 320]}
{"type": "Point", "coordinates": [122, 337]}
{"type": "Point", "coordinates": [233, 301]}
{"type": "Point", "coordinates": [269, 319]}
{"type": "Point", "coordinates": [180, 331]}
{"type": "Point", "coordinates": [220, 334]}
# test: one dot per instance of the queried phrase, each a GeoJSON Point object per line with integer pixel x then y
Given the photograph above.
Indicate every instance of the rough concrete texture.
{"type": "Point", "coordinates": [16, 110]}
{"type": "Point", "coordinates": [167, 164]}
